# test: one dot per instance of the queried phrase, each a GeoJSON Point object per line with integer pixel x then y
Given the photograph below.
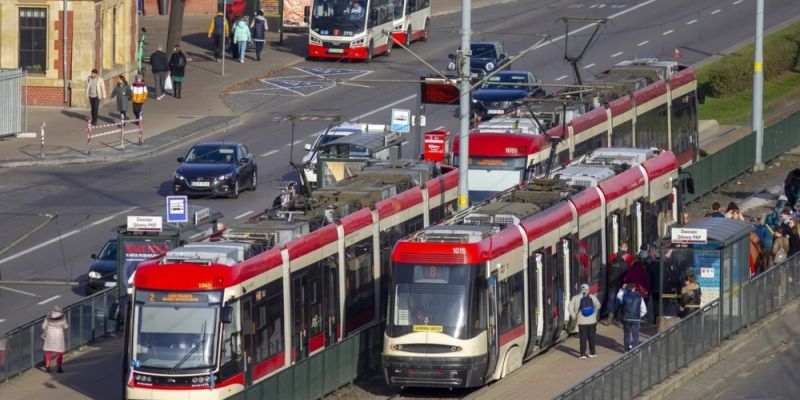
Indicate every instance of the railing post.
{"type": "Point", "coordinates": [88, 138]}
{"type": "Point", "coordinates": [141, 128]}
{"type": "Point", "coordinates": [122, 136]}
{"type": "Point", "coordinates": [41, 140]}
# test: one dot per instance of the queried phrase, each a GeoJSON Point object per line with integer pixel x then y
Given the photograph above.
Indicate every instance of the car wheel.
{"type": "Point", "coordinates": [408, 36]}
{"type": "Point", "coordinates": [425, 36]}
{"type": "Point", "coordinates": [235, 193]}
{"type": "Point", "coordinates": [369, 52]}
{"type": "Point", "coordinates": [254, 181]}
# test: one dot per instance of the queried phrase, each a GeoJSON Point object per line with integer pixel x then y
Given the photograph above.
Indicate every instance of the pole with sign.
{"type": "Point", "coordinates": [177, 209]}
{"type": "Point", "coordinates": [401, 120]}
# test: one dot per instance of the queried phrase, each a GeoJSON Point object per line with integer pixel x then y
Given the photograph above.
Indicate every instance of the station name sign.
{"type": "Point", "coordinates": [689, 235]}
{"type": "Point", "coordinates": [144, 223]}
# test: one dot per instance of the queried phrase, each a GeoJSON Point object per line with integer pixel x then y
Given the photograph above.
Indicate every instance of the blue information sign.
{"type": "Point", "coordinates": [177, 209]}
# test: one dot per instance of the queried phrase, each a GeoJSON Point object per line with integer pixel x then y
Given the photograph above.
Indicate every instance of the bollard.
{"type": "Point", "coordinates": [41, 141]}
{"type": "Point", "coordinates": [88, 138]}
{"type": "Point", "coordinates": [122, 135]}
{"type": "Point", "coordinates": [141, 128]}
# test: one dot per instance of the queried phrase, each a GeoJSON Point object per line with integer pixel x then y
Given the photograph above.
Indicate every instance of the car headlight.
{"type": "Point", "coordinates": [179, 176]}
{"type": "Point", "coordinates": [94, 275]}
{"type": "Point", "coordinates": [225, 176]}
{"type": "Point", "coordinates": [489, 66]}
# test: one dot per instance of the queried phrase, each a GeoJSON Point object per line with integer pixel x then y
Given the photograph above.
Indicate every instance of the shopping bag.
{"type": "Point", "coordinates": [168, 82]}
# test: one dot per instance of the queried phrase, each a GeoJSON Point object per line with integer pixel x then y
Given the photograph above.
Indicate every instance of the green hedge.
{"type": "Point", "coordinates": [732, 74]}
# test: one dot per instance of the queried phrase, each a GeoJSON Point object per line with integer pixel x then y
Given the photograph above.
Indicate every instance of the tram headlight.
{"type": "Point", "coordinates": [455, 348]}
{"type": "Point", "coordinates": [398, 347]}
{"type": "Point", "coordinates": [489, 66]}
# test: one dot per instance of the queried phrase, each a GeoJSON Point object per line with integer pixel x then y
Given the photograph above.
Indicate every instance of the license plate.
{"type": "Point", "coordinates": [495, 111]}
{"type": "Point", "coordinates": [201, 184]}
{"type": "Point", "coordinates": [336, 51]}
{"type": "Point", "coordinates": [473, 75]}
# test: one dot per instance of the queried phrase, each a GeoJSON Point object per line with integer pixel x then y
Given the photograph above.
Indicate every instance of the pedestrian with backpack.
{"type": "Point", "coordinates": [259, 28]}
{"type": "Point", "coordinates": [780, 246]}
{"type": "Point", "coordinates": [633, 309]}
{"type": "Point", "coordinates": [177, 70]}
{"type": "Point", "coordinates": [584, 308]}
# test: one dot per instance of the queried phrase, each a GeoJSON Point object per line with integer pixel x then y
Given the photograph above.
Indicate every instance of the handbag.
{"type": "Point", "coordinates": [168, 82]}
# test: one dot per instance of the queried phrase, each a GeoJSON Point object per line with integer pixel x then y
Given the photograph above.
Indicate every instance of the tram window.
{"type": "Point", "coordinates": [268, 320]}
{"type": "Point", "coordinates": [511, 303]}
{"type": "Point", "coordinates": [360, 290]}
{"type": "Point", "coordinates": [230, 336]}
{"type": "Point", "coordinates": [590, 144]}
{"type": "Point", "coordinates": [651, 128]}
{"type": "Point", "coordinates": [622, 135]}
{"type": "Point", "coordinates": [684, 116]}
{"type": "Point", "coordinates": [315, 304]}
{"type": "Point", "coordinates": [412, 225]}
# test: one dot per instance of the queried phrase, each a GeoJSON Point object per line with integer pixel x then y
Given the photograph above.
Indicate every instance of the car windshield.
{"type": "Point", "coordinates": [205, 154]}
{"type": "Point", "coordinates": [109, 251]}
{"type": "Point", "coordinates": [506, 81]}
{"type": "Point", "coordinates": [436, 298]}
{"type": "Point", "coordinates": [483, 50]}
{"type": "Point", "coordinates": [338, 17]}
{"type": "Point", "coordinates": [176, 330]}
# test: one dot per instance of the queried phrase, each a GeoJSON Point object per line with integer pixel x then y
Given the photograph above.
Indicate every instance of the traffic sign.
{"type": "Point", "coordinates": [689, 235]}
{"type": "Point", "coordinates": [144, 223]}
{"type": "Point", "coordinates": [401, 120]}
{"type": "Point", "coordinates": [177, 209]}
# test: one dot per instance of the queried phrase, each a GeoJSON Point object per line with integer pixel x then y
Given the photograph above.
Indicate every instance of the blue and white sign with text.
{"type": "Point", "coordinates": [401, 120]}
{"type": "Point", "coordinates": [177, 209]}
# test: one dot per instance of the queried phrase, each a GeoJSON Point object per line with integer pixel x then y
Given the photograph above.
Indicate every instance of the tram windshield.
{"type": "Point", "coordinates": [176, 330]}
{"type": "Point", "coordinates": [436, 298]}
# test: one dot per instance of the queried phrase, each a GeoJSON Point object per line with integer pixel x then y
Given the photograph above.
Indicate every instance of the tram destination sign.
{"type": "Point", "coordinates": [689, 235]}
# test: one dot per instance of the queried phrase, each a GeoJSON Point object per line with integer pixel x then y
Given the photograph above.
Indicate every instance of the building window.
{"type": "Point", "coordinates": [33, 39]}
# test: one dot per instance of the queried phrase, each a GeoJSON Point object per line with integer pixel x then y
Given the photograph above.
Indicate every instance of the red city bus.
{"type": "Point", "coordinates": [350, 29]}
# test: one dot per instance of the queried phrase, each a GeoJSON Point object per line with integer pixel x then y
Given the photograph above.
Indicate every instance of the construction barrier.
{"type": "Point", "coordinates": [117, 128]}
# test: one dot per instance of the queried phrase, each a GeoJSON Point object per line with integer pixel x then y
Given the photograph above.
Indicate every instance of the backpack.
{"type": "Point", "coordinates": [780, 255]}
{"type": "Point", "coordinates": [587, 306]}
{"type": "Point", "coordinates": [180, 61]}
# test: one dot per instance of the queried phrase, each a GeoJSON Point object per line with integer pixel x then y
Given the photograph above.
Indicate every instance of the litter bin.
{"type": "Point", "coordinates": [162, 7]}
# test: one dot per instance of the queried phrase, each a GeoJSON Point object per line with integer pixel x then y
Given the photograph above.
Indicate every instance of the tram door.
{"type": "Point", "coordinates": [300, 284]}
{"type": "Point", "coordinates": [248, 333]}
{"type": "Point", "coordinates": [493, 345]}
{"type": "Point", "coordinates": [553, 292]}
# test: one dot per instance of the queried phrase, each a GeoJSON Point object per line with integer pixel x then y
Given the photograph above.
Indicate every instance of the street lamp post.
{"type": "Point", "coordinates": [758, 85]}
{"type": "Point", "coordinates": [464, 105]}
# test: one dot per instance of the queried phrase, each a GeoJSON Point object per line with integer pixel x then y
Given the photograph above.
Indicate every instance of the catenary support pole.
{"type": "Point", "coordinates": [464, 105]}
{"type": "Point", "coordinates": [224, 36]}
{"type": "Point", "coordinates": [64, 26]}
{"type": "Point", "coordinates": [758, 85]}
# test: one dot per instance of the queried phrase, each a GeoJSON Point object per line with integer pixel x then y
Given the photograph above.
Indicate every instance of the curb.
{"type": "Point", "coordinates": [728, 347]}
{"type": "Point", "coordinates": [162, 141]}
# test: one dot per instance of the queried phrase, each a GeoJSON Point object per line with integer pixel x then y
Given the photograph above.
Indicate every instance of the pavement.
{"type": "Point", "coordinates": [168, 121]}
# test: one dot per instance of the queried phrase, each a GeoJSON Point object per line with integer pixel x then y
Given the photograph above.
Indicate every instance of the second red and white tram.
{"type": "Point", "coordinates": [472, 298]}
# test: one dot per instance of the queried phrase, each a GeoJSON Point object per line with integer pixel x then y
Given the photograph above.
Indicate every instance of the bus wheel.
{"type": "Point", "coordinates": [369, 52]}
{"type": "Point", "coordinates": [408, 36]}
{"type": "Point", "coordinates": [425, 36]}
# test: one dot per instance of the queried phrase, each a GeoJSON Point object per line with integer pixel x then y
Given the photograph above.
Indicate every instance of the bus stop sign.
{"type": "Point", "coordinates": [177, 209]}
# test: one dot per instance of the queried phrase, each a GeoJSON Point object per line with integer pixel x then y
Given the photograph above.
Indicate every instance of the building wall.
{"type": "Point", "coordinates": [101, 34]}
{"type": "Point", "coordinates": [196, 7]}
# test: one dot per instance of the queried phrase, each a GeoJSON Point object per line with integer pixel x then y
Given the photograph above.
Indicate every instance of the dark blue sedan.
{"type": "Point", "coordinates": [216, 169]}
{"type": "Point", "coordinates": [503, 91]}
{"type": "Point", "coordinates": [486, 57]}
{"type": "Point", "coordinates": [103, 271]}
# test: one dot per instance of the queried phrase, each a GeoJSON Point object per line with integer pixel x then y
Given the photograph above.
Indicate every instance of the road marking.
{"type": "Point", "coordinates": [2, 320]}
{"type": "Point", "coordinates": [561, 77]}
{"type": "Point", "coordinates": [296, 142]}
{"type": "Point", "coordinates": [404, 143]}
{"type": "Point", "coordinates": [668, 32]}
{"type": "Point", "coordinates": [269, 153]}
{"type": "Point", "coordinates": [63, 236]}
{"type": "Point", "coordinates": [240, 216]}
{"type": "Point", "coordinates": [617, 54]}
{"type": "Point", "coordinates": [737, 2]}
{"type": "Point", "coordinates": [715, 11]}
{"type": "Point", "coordinates": [691, 22]}
{"type": "Point", "coordinates": [589, 66]}
{"type": "Point", "coordinates": [45, 301]}
{"type": "Point", "coordinates": [643, 43]}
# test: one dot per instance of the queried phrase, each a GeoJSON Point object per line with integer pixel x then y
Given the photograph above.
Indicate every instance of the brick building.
{"type": "Point", "coordinates": [195, 7]}
{"type": "Point", "coordinates": [100, 34]}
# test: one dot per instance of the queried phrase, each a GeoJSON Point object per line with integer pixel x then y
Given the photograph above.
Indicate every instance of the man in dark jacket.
{"type": "Point", "coordinates": [715, 213]}
{"type": "Point", "coordinates": [617, 267]}
{"type": "Point", "coordinates": [160, 66]}
{"type": "Point", "coordinates": [633, 309]}
{"type": "Point", "coordinates": [259, 28]}
{"type": "Point", "coordinates": [219, 30]}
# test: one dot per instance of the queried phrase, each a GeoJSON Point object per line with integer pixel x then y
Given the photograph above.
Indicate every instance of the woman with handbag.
{"type": "Point", "coordinates": [177, 70]}
{"type": "Point", "coordinates": [53, 329]}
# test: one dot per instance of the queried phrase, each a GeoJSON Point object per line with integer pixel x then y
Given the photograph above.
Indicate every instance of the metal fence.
{"type": "Point", "coordinates": [665, 353]}
{"type": "Point", "coordinates": [13, 102]}
{"type": "Point", "coordinates": [731, 161]}
{"type": "Point", "coordinates": [21, 348]}
{"type": "Point", "coordinates": [324, 372]}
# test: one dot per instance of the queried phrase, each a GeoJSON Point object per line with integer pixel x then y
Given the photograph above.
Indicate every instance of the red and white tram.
{"type": "Point", "coordinates": [212, 318]}
{"type": "Point", "coordinates": [660, 112]}
{"type": "Point", "coordinates": [473, 298]}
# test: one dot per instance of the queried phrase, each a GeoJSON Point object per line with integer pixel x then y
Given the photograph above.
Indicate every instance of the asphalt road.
{"type": "Point", "coordinates": [91, 199]}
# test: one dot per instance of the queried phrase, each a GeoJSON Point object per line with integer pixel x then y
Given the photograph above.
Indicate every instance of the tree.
{"type": "Point", "coordinates": [174, 34]}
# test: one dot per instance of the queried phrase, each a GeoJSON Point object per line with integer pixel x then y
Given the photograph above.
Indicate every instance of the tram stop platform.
{"type": "Point", "coordinates": [93, 372]}
{"type": "Point", "coordinates": [551, 373]}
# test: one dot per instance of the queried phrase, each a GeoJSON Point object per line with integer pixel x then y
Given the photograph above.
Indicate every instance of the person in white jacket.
{"type": "Point", "coordinates": [53, 329]}
{"type": "Point", "coordinates": [583, 308]}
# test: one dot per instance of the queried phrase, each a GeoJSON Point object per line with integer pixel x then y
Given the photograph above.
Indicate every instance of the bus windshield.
{"type": "Point", "coordinates": [436, 298]}
{"type": "Point", "coordinates": [339, 17]}
{"type": "Point", "coordinates": [176, 330]}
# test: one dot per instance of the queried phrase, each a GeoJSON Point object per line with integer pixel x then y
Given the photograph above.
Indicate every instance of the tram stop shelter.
{"type": "Point", "coordinates": [717, 251]}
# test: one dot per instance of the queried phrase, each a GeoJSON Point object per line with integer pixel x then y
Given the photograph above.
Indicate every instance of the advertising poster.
{"type": "Point", "coordinates": [134, 251]}
{"type": "Point", "coordinates": [293, 13]}
{"type": "Point", "coordinates": [707, 270]}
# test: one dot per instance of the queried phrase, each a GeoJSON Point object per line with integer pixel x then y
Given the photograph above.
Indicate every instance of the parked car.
{"type": "Point", "coordinates": [216, 169]}
{"type": "Point", "coordinates": [503, 91]}
{"type": "Point", "coordinates": [485, 58]}
{"type": "Point", "coordinates": [103, 270]}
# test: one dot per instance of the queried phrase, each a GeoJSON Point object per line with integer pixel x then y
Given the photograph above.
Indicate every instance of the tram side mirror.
{"type": "Point", "coordinates": [113, 312]}
{"type": "Point", "coordinates": [227, 315]}
{"type": "Point", "coordinates": [306, 13]}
